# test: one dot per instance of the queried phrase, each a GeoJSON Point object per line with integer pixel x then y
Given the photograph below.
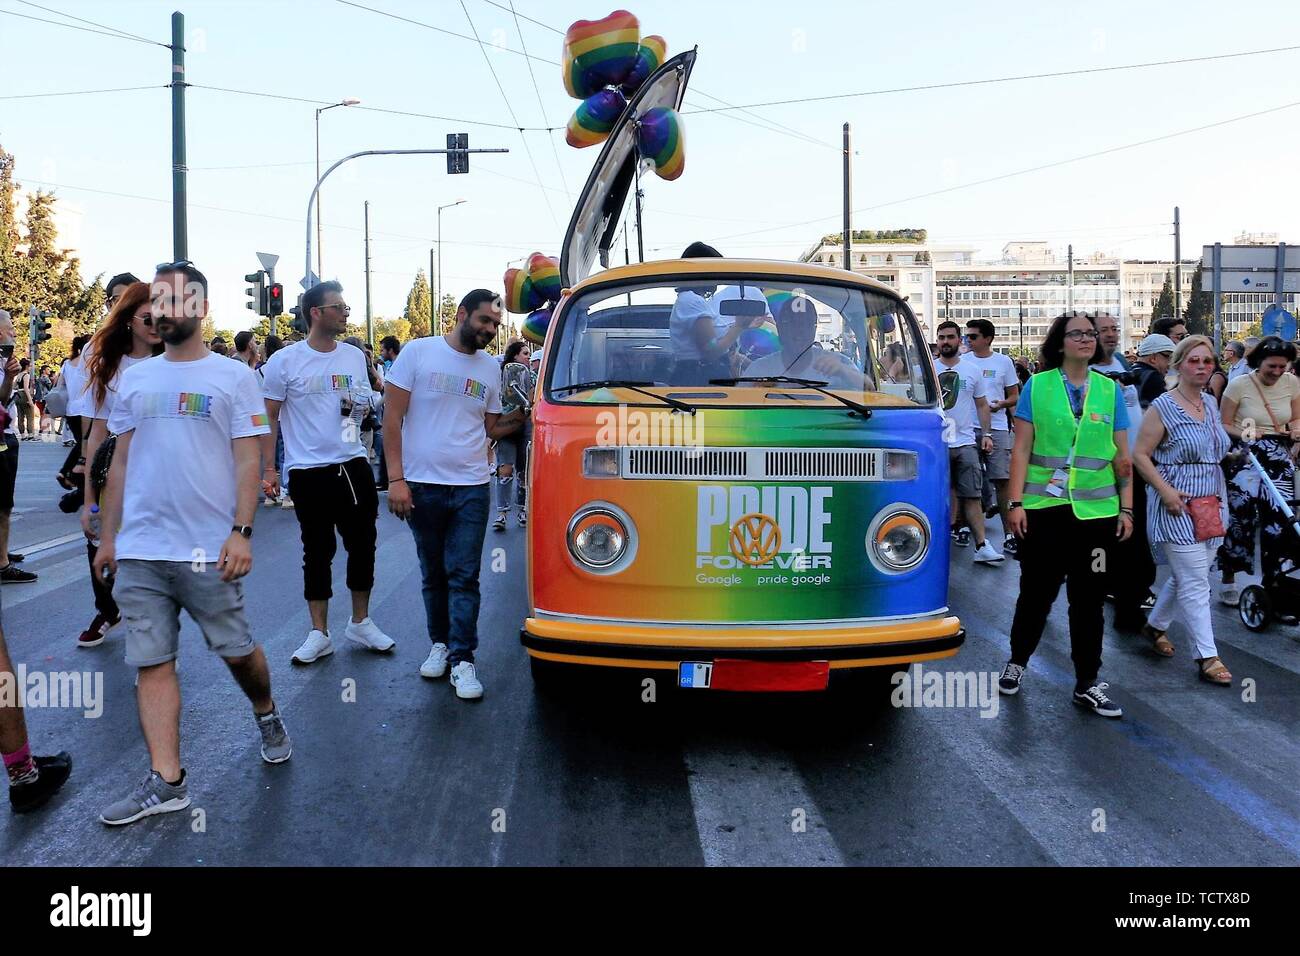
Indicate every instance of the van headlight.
{"type": "Point", "coordinates": [898, 539]}
{"type": "Point", "coordinates": [602, 538]}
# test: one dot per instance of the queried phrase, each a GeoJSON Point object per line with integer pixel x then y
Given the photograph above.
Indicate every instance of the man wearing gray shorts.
{"type": "Point", "coordinates": [1002, 391]}
{"type": "Point", "coordinates": [177, 518]}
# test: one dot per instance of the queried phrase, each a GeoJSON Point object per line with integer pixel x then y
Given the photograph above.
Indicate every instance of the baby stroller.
{"type": "Point", "coordinates": [1279, 594]}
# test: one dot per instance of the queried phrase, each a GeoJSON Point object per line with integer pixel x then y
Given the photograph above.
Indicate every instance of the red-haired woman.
{"type": "Point", "coordinates": [126, 337]}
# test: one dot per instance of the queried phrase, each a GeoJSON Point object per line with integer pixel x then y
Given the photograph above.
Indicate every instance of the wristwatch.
{"type": "Point", "coordinates": [245, 529]}
{"type": "Point", "coordinates": [1013, 505]}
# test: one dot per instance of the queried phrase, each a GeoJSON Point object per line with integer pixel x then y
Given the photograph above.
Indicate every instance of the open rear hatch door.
{"type": "Point", "coordinates": [595, 218]}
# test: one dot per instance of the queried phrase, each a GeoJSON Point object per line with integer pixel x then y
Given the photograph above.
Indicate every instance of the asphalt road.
{"type": "Point", "coordinates": [402, 772]}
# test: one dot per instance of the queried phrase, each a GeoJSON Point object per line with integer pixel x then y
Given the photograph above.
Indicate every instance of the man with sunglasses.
{"type": "Point", "coordinates": [177, 518]}
{"type": "Point", "coordinates": [1001, 391]}
{"type": "Point", "coordinates": [318, 391]}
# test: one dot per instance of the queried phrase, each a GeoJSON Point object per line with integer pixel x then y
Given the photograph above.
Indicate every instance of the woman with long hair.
{"type": "Point", "coordinates": [1179, 447]}
{"type": "Point", "coordinates": [512, 450]}
{"type": "Point", "coordinates": [126, 338]}
{"type": "Point", "coordinates": [1071, 499]}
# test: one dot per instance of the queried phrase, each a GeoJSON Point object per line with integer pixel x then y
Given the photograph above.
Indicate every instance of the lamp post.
{"type": "Point", "coordinates": [437, 295]}
{"type": "Point", "coordinates": [350, 101]}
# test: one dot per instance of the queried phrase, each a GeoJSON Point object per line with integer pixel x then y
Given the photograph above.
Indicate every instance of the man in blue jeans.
{"type": "Point", "coordinates": [442, 404]}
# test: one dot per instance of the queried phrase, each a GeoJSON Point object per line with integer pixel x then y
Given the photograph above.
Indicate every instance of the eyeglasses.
{"type": "Point", "coordinates": [1079, 335]}
{"type": "Point", "coordinates": [344, 309]}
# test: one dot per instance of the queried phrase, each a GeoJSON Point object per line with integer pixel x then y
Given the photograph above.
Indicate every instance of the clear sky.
{"type": "Point", "coordinates": [253, 157]}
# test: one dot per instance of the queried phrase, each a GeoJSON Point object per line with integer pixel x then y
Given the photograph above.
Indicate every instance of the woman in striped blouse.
{"type": "Point", "coordinates": [1179, 447]}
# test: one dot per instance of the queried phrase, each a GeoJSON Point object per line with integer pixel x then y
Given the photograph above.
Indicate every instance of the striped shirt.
{"type": "Point", "coordinates": [1188, 458]}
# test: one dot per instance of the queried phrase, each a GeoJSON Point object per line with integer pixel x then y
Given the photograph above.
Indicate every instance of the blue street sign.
{"type": "Point", "coordinates": [1278, 321]}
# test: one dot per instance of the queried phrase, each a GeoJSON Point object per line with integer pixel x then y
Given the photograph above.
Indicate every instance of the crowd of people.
{"type": "Point", "coordinates": [175, 440]}
{"type": "Point", "coordinates": [1122, 466]}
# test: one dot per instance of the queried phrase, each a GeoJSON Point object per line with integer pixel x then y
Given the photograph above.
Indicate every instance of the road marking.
{"type": "Point", "coordinates": [747, 803]}
{"type": "Point", "coordinates": [52, 543]}
{"type": "Point", "coordinates": [50, 579]}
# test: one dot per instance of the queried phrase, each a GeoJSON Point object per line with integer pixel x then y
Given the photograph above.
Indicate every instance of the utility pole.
{"type": "Point", "coordinates": [370, 325]}
{"type": "Point", "coordinates": [1069, 287]}
{"type": "Point", "coordinates": [180, 224]}
{"type": "Point", "coordinates": [1217, 262]}
{"type": "Point", "coordinates": [1022, 329]}
{"type": "Point", "coordinates": [1178, 267]}
{"type": "Point", "coordinates": [435, 322]}
{"type": "Point", "coordinates": [848, 196]}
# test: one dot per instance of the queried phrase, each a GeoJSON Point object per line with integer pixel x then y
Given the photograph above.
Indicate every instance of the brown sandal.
{"type": "Point", "coordinates": [1213, 671]}
{"type": "Point", "coordinates": [1159, 642]}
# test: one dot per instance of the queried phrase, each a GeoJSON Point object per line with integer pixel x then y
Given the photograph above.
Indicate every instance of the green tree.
{"type": "Point", "coordinates": [446, 315]}
{"type": "Point", "coordinates": [400, 328]}
{"type": "Point", "coordinates": [419, 308]}
{"type": "Point", "coordinates": [1165, 304]}
{"type": "Point", "coordinates": [1199, 314]}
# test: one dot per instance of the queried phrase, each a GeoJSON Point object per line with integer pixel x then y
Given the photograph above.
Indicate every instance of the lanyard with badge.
{"type": "Point", "coordinates": [1061, 476]}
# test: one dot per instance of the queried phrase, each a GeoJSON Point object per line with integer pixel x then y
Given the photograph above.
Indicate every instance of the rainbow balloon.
{"type": "Point", "coordinates": [595, 117]}
{"type": "Point", "coordinates": [660, 139]}
{"type": "Point", "coordinates": [649, 57]}
{"type": "Point", "coordinates": [520, 295]}
{"type": "Point", "coordinates": [544, 274]}
{"type": "Point", "coordinates": [535, 326]}
{"type": "Point", "coordinates": [600, 53]}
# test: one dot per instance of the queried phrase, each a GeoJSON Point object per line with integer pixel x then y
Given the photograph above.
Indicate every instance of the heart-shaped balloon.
{"type": "Point", "coordinates": [649, 57]}
{"type": "Point", "coordinates": [520, 295]}
{"type": "Point", "coordinates": [544, 274]}
{"type": "Point", "coordinates": [595, 117]}
{"type": "Point", "coordinates": [535, 326]}
{"type": "Point", "coordinates": [599, 53]}
{"type": "Point", "coordinates": [660, 139]}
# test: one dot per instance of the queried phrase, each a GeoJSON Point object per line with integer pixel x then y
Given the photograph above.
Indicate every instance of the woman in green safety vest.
{"type": "Point", "coordinates": [1071, 500]}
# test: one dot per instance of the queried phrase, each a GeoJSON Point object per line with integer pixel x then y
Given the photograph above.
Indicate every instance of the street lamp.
{"type": "Point", "coordinates": [437, 295]}
{"type": "Point", "coordinates": [349, 101]}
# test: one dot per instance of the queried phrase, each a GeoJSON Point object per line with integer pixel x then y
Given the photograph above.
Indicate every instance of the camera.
{"type": "Point", "coordinates": [1123, 378]}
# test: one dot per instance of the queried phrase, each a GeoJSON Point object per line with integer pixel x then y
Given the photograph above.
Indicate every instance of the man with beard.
{"type": "Point", "coordinates": [319, 391]}
{"type": "Point", "coordinates": [442, 406]}
{"type": "Point", "coordinates": [964, 400]}
{"type": "Point", "coordinates": [177, 518]}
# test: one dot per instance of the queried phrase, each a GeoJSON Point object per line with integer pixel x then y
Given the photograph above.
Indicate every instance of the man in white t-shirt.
{"type": "Point", "coordinates": [962, 387]}
{"type": "Point", "coordinates": [318, 391]}
{"type": "Point", "coordinates": [443, 405]}
{"type": "Point", "coordinates": [1001, 391]}
{"type": "Point", "coordinates": [1108, 337]}
{"type": "Point", "coordinates": [176, 522]}
{"type": "Point", "coordinates": [799, 355]}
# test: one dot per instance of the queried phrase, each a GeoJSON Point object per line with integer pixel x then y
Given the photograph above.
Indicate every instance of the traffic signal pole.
{"type": "Point", "coordinates": [309, 278]}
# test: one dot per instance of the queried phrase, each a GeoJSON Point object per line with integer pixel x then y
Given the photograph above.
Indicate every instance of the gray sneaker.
{"type": "Point", "coordinates": [276, 745]}
{"type": "Point", "coordinates": [153, 795]}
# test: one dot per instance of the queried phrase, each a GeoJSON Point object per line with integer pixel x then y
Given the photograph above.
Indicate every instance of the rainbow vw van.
{"type": "Point", "coordinates": [759, 519]}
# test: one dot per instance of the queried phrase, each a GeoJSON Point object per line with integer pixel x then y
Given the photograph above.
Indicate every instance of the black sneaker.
{"type": "Point", "coordinates": [53, 772]}
{"type": "Point", "coordinates": [961, 538]}
{"type": "Point", "coordinates": [16, 557]}
{"type": "Point", "coordinates": [500, 523]}
{"type": "Point", "coordinates": [1009, 682]}
{"type": "Point", "coordinates": [1011, 546]}
{"type": "Point", "coordinates": [1095, 699]}
{"type": "Point", "coordinates": [12, 575]}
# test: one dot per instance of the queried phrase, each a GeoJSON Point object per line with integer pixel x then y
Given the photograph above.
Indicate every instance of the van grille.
{"type": "Point", "coordinates": [759, 464]}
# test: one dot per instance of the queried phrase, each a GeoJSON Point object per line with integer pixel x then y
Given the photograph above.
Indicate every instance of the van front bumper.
{"type": "Point", "coordinates": [663, 647]}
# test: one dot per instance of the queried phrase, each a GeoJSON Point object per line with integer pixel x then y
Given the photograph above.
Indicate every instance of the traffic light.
{"type": "Point", "coordinates": [39, 328]}
{"type": "Point", "coordinates": [458, 152]}
{"type": "Point", "coordinates": [299, 324]}
{"type": "Point", "coordinates": [256, 292]}
{"type": "Point", "coordinates": [275, 299]}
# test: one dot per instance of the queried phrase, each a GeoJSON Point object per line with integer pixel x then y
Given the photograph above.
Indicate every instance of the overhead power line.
{"type": "Point", "coordinates": [73, 26]}
{"type": "Point", "coordinates": [1001, 79]}
{"type": "Point", "coordinates": [103, 26]}
{"type": "Point", "coordinates": [1023, 172]}
{"type": "Point", "coordinates": [121, 89]}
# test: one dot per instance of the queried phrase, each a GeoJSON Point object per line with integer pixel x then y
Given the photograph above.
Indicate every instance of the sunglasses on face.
{"type": "Point", "coordinates": [145, 320]}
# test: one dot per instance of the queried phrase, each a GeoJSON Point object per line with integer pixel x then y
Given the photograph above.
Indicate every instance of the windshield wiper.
{"type": "Point", "coordinates": [863, 410]}
{"type": "Point", "coordinates": [633, 386]}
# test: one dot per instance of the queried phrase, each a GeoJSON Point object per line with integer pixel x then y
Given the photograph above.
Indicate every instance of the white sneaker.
{"type": "Point", "coordinates": [1230, 595]}
{"type": "Point", "coordinates": [368, 635]}
{"type": "Point", "coordinates": [286, 501]}
{"type": "Point", "coordinates": [435, 665]}
{"type": "Point", "coordinates": [316, 646]}
{"type": "Point", "coordinates": [986, 554]}
{"type": "Point", "coordinates": [466, 681]}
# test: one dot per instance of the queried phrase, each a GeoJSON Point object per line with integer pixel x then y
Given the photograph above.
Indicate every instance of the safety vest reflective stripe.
{"type": "Point", "coordinates": [1076, 494]}
{"type": "Point", "coordinates": [1050, 461]}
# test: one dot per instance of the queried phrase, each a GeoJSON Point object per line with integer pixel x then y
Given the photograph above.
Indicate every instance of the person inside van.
{"type": "Point", "coordinates": [702, 339]}
{"type": "Point", "coordinates": [799, 355]}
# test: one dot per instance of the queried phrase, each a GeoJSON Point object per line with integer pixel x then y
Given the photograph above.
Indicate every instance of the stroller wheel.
{"type": "Point", "coordinates": [1254, 607]}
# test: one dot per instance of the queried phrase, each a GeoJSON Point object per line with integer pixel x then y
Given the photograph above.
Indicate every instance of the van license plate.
{"type": "Point", "coordinates": [694, 675]}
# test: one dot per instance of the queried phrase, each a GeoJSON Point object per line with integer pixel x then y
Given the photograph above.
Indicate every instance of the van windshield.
{"type": "Point", "coordinates": [700, 334]}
